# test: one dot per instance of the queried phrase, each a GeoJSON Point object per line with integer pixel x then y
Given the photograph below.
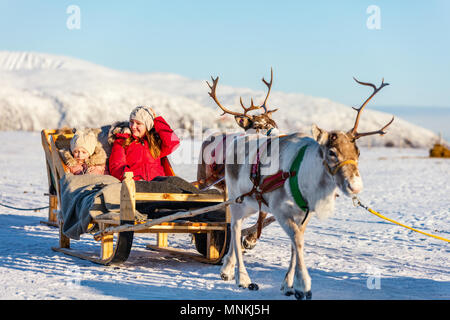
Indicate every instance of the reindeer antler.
{"type": "Point", "coordinates": [263, 106]}
{"type": "Point", "coordinates": [252, 106]}
{"type": "Point", "coordinates": [381, 131]}
{"type": "Point", "coordinates": [353, 131]}
{"type": "Point", "coordinates": [212, 94]}
{"type": "Point", "coordinates": [269, 85]}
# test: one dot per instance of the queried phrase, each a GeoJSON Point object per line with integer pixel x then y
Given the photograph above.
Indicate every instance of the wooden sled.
{"type": "Point", "coordinates": [211, 238]}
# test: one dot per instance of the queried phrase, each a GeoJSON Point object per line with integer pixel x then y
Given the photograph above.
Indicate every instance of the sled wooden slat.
{"type": "Point", "coordinates": [52, 219]}
{"type": "Point", "coordinates": [167, 226]}
{"type": "Point", "coordinates": [175, 227]}
{"type": "Point", "coordinates": [128, 198]}
{"type": "Point", "coordinates": [179, 197]}
{"type": "Point", "coordinates": [116, 246]}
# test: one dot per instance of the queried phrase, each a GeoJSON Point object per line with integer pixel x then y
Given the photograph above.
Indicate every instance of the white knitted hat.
{"type": "Point", "coordinates": [86, 140]}
{"type": "Point", "coordinates": [144, 115]}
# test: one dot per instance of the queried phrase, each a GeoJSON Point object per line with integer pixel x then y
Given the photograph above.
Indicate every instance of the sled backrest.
{"type": "Point", "coordinates": [52, 141]}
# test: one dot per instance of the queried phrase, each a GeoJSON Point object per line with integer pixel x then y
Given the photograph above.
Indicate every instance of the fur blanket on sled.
{"type": "Point", "coordinates": [84, 197]}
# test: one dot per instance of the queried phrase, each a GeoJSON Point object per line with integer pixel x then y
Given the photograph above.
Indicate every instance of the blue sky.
{"type": "Point", "coordinates": [315, 47]}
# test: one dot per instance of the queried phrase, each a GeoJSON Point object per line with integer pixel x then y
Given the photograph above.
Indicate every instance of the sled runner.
{"type": "Point", "coordinates": [211, 236]}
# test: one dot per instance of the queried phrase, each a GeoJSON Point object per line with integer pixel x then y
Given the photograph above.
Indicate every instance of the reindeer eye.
{"type": "Point", "coordinates": [332, 154]}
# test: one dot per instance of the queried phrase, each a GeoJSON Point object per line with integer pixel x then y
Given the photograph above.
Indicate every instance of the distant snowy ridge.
{"type": "Point", "coordinates": [32, 61]}
{"type": "Point", "coordinates": [40, 91]}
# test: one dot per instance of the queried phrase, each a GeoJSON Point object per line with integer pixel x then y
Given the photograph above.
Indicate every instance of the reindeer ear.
{"type": "Point", "coordinates": [321, 136]}
{"type": "Point", "coordinates": [243, 121]}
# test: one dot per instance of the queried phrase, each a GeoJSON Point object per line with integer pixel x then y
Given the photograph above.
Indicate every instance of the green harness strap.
{"type": "Point", "coordinates": [293, 180]}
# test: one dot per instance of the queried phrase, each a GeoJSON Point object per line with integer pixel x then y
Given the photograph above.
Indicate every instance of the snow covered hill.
{"type": "Point", "coordinates": [46, 91]}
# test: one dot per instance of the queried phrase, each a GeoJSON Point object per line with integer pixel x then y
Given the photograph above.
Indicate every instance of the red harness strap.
{"type": "Point", "coordinates": [275, 181]}
{"type": "Point", "coordinates": [269, 184]}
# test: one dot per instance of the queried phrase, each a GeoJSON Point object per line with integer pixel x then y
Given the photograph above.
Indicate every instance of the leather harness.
{"type": "Point", "coordinates": [275, 181]}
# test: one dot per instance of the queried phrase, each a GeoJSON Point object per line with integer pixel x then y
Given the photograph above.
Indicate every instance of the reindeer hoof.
{"type": "Point", "coordinates": [226, 277]}
{"type": "Point", "coordinates": [288, 293]}
{"type": "Point", "coordinates": [309, 295]}
{"type": "Point", "coordinates": [249, 245]}
{"type": "Point", "coordinates": [299, 295]}
{"type": "Point", "coordinates": [253, 287]}
{"type": "Point", "coordinates": [302, 296]}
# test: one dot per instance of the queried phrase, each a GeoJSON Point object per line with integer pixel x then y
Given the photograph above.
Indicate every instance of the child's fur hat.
{"type": "Point", "coordinates": [84, 139]}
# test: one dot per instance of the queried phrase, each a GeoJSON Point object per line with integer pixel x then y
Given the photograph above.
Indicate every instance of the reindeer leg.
{"type": "Point", "coordinates": [242, 279]}
{"type": "Point", "coordinates": [288, 282]}
{"type": "Point", "coordinates": [249, 242]}
{"type": "Point", "coordinates": [229, 261]}
{"type": "Point", "coordinates": [302, 280]}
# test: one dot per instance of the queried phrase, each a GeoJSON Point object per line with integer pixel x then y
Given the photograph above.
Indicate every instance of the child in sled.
{"type": "Point", "coordinates": [144, 148]}
{"type": "Point", "coordinates": [85, 157]}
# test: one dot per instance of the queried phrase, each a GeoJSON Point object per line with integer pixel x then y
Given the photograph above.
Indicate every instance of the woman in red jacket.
{"type": "Point", "coordinates": [141, 152]}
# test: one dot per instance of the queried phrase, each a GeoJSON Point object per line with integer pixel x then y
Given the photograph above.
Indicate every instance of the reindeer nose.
{"type": "Point", "coordinates": [355, 186]}
{"type": "Point", "coordinates": [354, 189]}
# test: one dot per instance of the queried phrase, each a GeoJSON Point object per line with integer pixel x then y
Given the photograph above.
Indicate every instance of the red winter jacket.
{"type": "Point", "coordinates": [136, 157]}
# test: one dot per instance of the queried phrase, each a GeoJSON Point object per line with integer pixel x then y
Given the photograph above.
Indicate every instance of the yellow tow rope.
{"type": "Point", "coordinates": [356, 202]}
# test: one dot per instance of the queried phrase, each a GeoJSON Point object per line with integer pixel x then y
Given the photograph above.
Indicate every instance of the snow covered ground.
{"type": "Point", "coordinates": [353, 255]}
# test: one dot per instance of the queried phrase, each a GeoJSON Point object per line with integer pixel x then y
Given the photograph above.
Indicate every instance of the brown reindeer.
{"type": "Point", "coordinates": [314, 170]}
{"type": "Point", "coordinates": [211, 166]}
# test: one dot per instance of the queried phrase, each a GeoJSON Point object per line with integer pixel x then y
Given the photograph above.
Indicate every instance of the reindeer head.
{"type": "Point", "coordinates": [246, 121]}
{"type": "Point", "coordinates": [339, 150]}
